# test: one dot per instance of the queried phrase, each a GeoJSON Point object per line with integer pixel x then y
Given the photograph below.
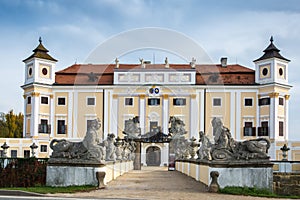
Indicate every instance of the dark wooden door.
{"type": "Point", "coordinates": [153, 155]}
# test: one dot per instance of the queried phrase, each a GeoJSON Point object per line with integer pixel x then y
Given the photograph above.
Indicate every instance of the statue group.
{"type": "Point", "coordinates": [92, 149]}
{"type": "Point", "coordinates": [223, 147]}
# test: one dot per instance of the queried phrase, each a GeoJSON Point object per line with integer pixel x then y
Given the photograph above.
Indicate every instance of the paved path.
{"type": "Point", "coordinates": [154, 183]}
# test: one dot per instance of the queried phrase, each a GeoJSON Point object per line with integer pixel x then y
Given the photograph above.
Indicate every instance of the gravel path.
{"type": "Point", "coordinates": [155, 183]}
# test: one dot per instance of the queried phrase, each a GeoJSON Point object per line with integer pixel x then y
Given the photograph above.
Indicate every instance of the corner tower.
{"type": "Point", "coordinates": [38, 95]}
{"type": "Point", "coordinates": [272, 76]}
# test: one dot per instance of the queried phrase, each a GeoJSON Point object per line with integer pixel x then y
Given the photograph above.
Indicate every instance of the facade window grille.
{"type": "Point", "coordinates": [13, 153]}
{"type": "Point", "coordinates": [281, 101]}
{"type": "Point", "coordinates": [128, 101]}
{"type": "Point", "coordinates": [153, 102]}
{"type": "Point", "coordinates": [179, 101]}
{"type": "Point", "coordinates": [61, 127]}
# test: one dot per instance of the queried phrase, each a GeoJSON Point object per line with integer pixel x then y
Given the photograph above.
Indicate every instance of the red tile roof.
{"type": "Point", "coordinates": [79, 74]}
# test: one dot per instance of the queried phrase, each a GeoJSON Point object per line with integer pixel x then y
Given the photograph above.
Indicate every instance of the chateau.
{"type": "Point", "coordinates": [61, 104]}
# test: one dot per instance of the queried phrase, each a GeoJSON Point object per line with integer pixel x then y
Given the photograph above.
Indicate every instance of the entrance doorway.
{"type": "Point", "coordinates": [153, 156]}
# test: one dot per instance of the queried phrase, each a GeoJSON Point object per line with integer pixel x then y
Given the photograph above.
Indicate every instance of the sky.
{"type": "Point", "coordinates": [72, 29]}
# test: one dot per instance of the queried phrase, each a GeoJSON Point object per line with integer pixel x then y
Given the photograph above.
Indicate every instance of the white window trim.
{"type": "Point", "coordinates": [125, 102]}
{"type": "Point", "coordinates": [217, 98]}
{"type": "Point", "coordinates": [44, 103]}
{"type": "Point", "coordinates": [179, 98]}
{"type": "Point", "coordinates": [245, 101]}
{"type": "Point", "coordinates": [89, 98]}
{"type": "Point", "coordinates": [64, 98]}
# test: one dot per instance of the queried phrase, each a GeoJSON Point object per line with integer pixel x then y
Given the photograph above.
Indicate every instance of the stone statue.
{"type": "Point", "coordinates": [132, 148]}
{"type": "Point", "coordinates": [132, 130]}
{"type": "Point", "coordinates": [89, 150]}
{"type": "Point", "coordinates": [205, 148]}
{"type": "Point", "coordinates": [177, 127]}
{"type": "Point", "coordinates": [226, 148]}
{"type": "Point", "coordinates": [110, 148]}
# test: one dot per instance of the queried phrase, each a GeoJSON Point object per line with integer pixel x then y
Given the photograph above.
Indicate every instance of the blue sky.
{"type": "Point", "coordinates": [239, 30]}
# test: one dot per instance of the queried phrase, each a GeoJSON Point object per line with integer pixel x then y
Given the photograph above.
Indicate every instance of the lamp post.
{"type": "Point", "coordinates": [284, 150]}
{"type": "Point", "coordinates": [33, 147]}
{"type": "Point", "coordinates": [4, 147]}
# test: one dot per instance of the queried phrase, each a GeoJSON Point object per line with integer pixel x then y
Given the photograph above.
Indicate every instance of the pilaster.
{"type": "Point", "coordinates": [142, 113]}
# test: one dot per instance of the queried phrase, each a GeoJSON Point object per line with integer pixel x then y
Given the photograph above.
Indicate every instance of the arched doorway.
{"type": "Point", "coordinates": [153, 156]}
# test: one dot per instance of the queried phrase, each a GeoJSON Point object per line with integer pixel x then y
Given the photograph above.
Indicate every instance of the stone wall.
{"type": "Point", "coordinates": [67, 175]}
{"type": "Point", "coordinates": [259, 175]}
{"type": "Point", "coordinates": [286, 183]}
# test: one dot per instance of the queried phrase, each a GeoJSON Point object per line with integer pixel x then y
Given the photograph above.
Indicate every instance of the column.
{"type": "Point", "coordinates": [194, 130]}
{"type": "Point", "coordinates": [34, 121]}
{"type": "Point", "coordinates": [202, 109]}
{"type": "Point", "coordinates": [142, 113]}
{"type": "Point", "coordinates": [286, 121]}
{"type": "Point", "coordinates": [165, 110]}
{"type": "Point", "coordinates": [257, 114]}
{"type": "Point", "coordinates": [75, 120]}
{"type": "Point", "coordinates": [70, 115]}
{"type": "Point", "coordinates": [233, 112]}
{"type": "Point", "coordinates": [238, 116]}
{"type": "Point", "coordinates": [25, 116]}
{"type": "Point", "coordinates": [51, 117]}
{"type": "Point", "coordinates": [105, 117]}
{"type": "Point", "coordinates": [114, 115]}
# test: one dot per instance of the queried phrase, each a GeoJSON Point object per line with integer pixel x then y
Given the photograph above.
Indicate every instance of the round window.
{"type": "Point", "coordinates": [44, 71]}
{"type": "Point", "coordinates": [265, 71]}
{"type": "Point", "coordinates": [280, 71]}
{"type": "Point", "coordinates": [30, 71]}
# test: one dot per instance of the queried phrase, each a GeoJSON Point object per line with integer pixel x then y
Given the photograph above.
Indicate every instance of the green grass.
{"type": "Point", "coordinates": [52, 190]}
{"type": "Point", "coordinates": [253, 192]}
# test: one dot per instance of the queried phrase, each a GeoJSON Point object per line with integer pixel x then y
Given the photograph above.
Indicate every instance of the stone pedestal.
{"type": "Point", "coordinates": [137, 159]}
{"type": "Point", "coordinates": [74, 174]}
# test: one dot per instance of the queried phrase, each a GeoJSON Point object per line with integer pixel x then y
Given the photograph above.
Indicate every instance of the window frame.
{"type": "Point", "coordinates": [89, 98]}
{"type": "Point", "coordinates": [44, 98]}
{"type": "Point", "coordinates": [130, 100]}
{"type": "Point", "coordinates": [217, 98]}
{"type": "Point", "coordinates": [180, 99]}
{"type": "Point", "coordinates": [58, 127]}
{"type": "Point", "coordinates": [262, 103]}
{"type": "Point", "coordinates": [25, 154]}
{"type": "Point", "coordinates": [281, 101]}
{"type": "Point", "coordinates": [58, 103]}
{"type": "Point", "coordinates": [245, 100]}
{"type": "Point", "coordinates": [281, 128]}
{"type": "Point", "coordinates": [156, 99]}
{"type": "Point", "coordinates": [28, 100]}
{"type": "Point", "coordinates": [12, 152]}
{"type": "Point", "coordinates": [43, 148]}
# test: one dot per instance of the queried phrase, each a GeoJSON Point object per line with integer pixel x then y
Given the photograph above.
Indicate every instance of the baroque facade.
{"type": "Point", "coordinates": [61, 104]}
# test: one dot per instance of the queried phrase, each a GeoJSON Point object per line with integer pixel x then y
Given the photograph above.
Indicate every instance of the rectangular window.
{"type": "Point", "coordinates": [13, 153]}
{"type": "Point", "coordinates": [179, 101]}
{"type": "Point", "coordinates": [26, 153]}
{"type": "Point", "coordinates": [264, 101]}
{"type": "Point", "coordinates": [281, 101]}
{"type": "Point", "coordinates": [44, 100]}
{"type": "Point", "coordinates": [153, 102]}
{"type": "Point", "coordinates": [217, 102]}
{"type": "Point", "coordinates": [280, 128]}
{"type": "Point", "coordinates": [28, 100]}
{"type": "Point", "coordinates": [248, 101]}
{"type": "Point", "coordinates": [44, 148]}
{"type": "Point", "coordinates": [128, 101]}
{"type": "Point", "coordinates": [61, 127]}
{"type": "Point", "coordinates": [61, 101]}
{"type": "Point", "coordinates": [44, 127]}
{"type": "Point", "coordinates": [91, 101]}
{"type": "Point", "coordinates": [264, 129]}
{"type": "Point", "coordinates": [249, 130]}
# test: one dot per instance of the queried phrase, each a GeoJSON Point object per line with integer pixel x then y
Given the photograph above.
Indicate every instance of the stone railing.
{"type": "Point", "coordinates": [286, 166]}
{"type": "Point", "coordinates": [116, 169]}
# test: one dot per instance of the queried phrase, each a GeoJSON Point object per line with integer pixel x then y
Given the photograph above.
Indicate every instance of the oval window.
{"type": "Point", "coordinates": [44, 71]}
{"type": "Point", "coordinates": [280, 71]}
{"type": "Point", "coordinates": [30, 71]}
{"type": "Point", "coordinates": [265, 71]}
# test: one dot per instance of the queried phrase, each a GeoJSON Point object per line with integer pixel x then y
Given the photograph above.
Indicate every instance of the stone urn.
{"type": "Point", "coordinates": [193, 147]}
{"type": "Point", "coordinates": [118, 144]}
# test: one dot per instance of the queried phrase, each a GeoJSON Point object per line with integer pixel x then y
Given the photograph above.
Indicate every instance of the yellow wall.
{"type": "Point", "coordinates": [151, 109]}
{"type": "Point", "coordinates": [85, 111]}
{"type": "Point", "coordinates": [204, 174]}
{"type": "Point", "coordinates": [181, 110]}
{"type": "Point", "coordinates": [223, 110]}
{"type": "Point", "coordinates": [247, 111]}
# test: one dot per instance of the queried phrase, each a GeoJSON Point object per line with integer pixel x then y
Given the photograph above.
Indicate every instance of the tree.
{"type": "Point", "coordinates": [12, 127]}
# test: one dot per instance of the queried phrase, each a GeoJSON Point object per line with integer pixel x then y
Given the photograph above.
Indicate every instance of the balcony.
{"type": "Point", "coordinates": [44, 128]}
{"type": "Point", "coordinates": [263, 131]}
{"type": "Point", "coordinates": [249, 131]}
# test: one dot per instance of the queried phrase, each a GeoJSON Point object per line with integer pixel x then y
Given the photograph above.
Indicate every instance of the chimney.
{"type": "Point", "coordinates": [117, 63]}
{"type": "Point", "coordinates": [224, 62]}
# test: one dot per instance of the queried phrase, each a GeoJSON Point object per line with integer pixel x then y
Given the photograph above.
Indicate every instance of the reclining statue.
{"type": "Point", "coordinates": [226, 148]}
{"type": "Point", "coordinates": [90, 149]}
